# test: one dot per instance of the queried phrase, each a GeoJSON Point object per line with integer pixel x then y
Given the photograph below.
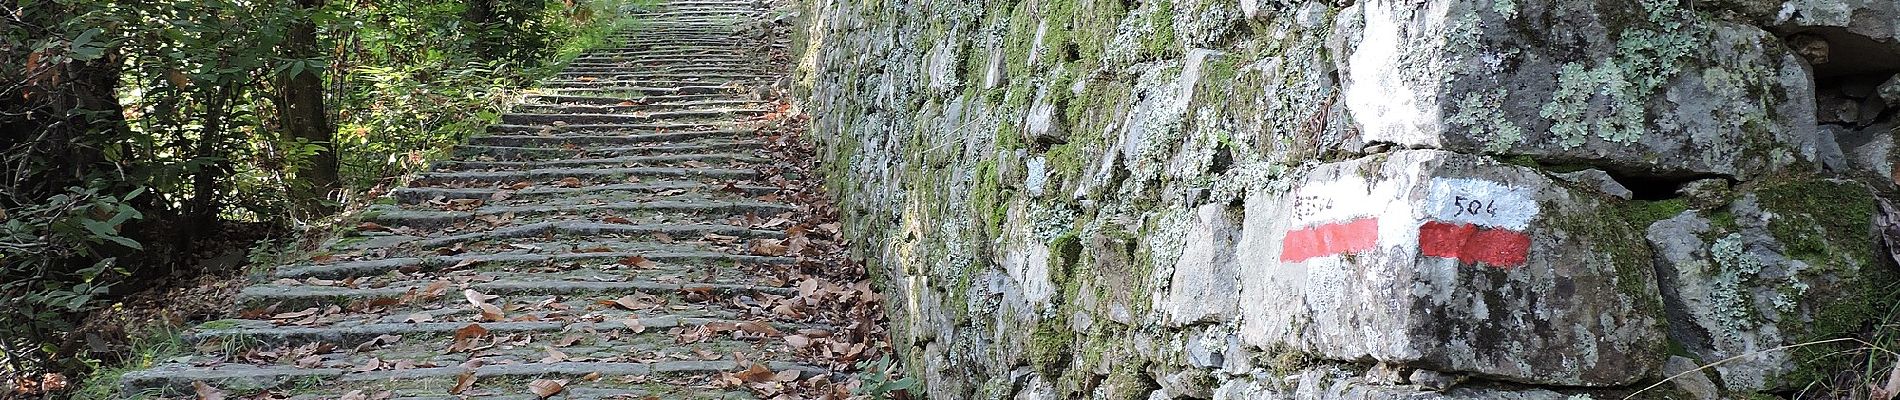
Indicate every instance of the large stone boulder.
{"type": "Point", "coordinates": [1632, 86]}
{"type": "Point", "coordinates": [1450, 262]}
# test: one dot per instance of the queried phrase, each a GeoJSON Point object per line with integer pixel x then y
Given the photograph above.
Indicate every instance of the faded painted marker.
{"type": "Point", "coordinates": [1477, 222]}
{"type": "Point", "coordinates": [1332, 218]}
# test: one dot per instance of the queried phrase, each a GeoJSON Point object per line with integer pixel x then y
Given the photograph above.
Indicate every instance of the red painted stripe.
{"type": "Point", "coordinates": [1470, 244]}
{"type": "Point", "coordinates": [1330, 239]}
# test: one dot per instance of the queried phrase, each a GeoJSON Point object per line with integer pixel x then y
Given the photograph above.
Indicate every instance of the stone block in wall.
{"type": "Point", "coordinates": [1790, 260]}
{"type": "Point", "coordinates": [1454, 263]}
{"type": "Point", "coordinates": [1205, 287]}
{"type": "Point", "coordinates": [1844, 37]}
{"type": "Point", "coordinates": [1866, 154]}
{"type": "Point", "coordinates": [1627, 85]}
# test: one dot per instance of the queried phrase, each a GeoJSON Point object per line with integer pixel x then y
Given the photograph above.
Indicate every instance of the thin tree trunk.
{"type": "Point", "coordinates": [305, 119]}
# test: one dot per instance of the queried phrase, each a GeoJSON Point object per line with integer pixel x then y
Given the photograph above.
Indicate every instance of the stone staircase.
{"type": "Point", "coordinates": [604, 238]}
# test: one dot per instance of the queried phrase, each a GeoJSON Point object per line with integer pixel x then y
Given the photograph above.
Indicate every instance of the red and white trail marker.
{"type": "Point", "coordinates": [1334, 218]}
{"type": "Point", "coordinates": [1471, 220]}
{"type": "Point", "coordinates": [1477, 222]}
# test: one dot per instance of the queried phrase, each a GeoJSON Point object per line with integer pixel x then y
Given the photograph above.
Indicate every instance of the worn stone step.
{"type": "Point", "coordinates": [678, 69]}
{"type": "Point", "coordinates": [651, 149]}
{"type": "Point", "coordinates": [632, 117]}
{"type": "Point", "coordinates": [637, 236]}
{"type": "Point", "coordinates": [556, 126]}
{"type": "Point", "coordinates": [662, 254]}
{"type": "Point", "coordinates": [641, 83]}
{"type": "Point", "coordinates": [582, 159]}
{"type": "Point", "coordinates": [636, 210]}
{"type": "Point", "coordinates": [290, 298]}
{"type": "Point", "coordinates": [417, 195]}
{"type": "Point", "coordinates": [740, 106]}
{"type": "Point", "coordinates": [644, 55]}
{"type": "Point", "coordinates": [579, 228]}
{"type": "Point", "coordinates": [265, 334]}
{"type": "Point", "coordinates": [645, 98]}
{"type": "Point", "coordinates": [665, 77]}
{"type": "Point", "coordinates": [584, 174]}
{"type": "Point", "coordinates": [625, 142]}
{"type": "Point", "coordinates": [559, 98]}
{"type": "Point", "coordinates": [626, 57]}
{"type": "Point", "coordinates": [664, 45]}
{"type": "Point", "coordinates": [698, 89]}
{"type": "Point", "coordinates": [168, 380]}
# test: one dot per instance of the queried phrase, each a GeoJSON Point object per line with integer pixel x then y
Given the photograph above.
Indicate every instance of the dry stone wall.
{"type": "Point", "coordinates": [1525, 199]}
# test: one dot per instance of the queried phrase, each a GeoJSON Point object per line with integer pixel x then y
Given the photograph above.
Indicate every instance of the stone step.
{"type": "Point", "coordinates": [635, 57]}
{"type": "Point", "coordinates": [642, 98]}
{"type": "Point", "coordinates": [639, 131]}
{"type": "Point", "coordinates": [431, 338]}
{"type": "Point", "coordinates": [741, 107]}
{"type": "Point", "coordinates": [558, 98]}
{"type": "Point", "coordinates": [699, 89]}
{"type": "Point", "coordinates": [583, 229]}
{"type": "Point", "coordinates": [645, 54]}
{"type": "Point", "coordinates": [632, 117]}
{"type": "Point", "coordinates": [652, 149]}
{"type": "Point", "coordinates": [663, 77]}
{"type": "Point", "coordinates": [579, 159]}
{"type": "Point", "coordinates": [677, 69]}
{"type": "Point", "coordinates": [485, 178]}
{"type": "Point", "coordinates": [642, 52]}
{"type": "Point", "coordinates": [555, 236]}
{"type": "Point", "coordinates": [431, 263]}
{"type": "Point", "coordinates": [418, 195]}
{"type": "Point", "coordinates": [631, 210]}
{"type": "Point", "coordinates": [702, 39]}
{"type": "Point", "coordinates": [606, 140]}
{"type": "Point", "coordinates": [169, 380]}
{"type": "Point", "coordinates": [644, 82]}
{"type": "Point", "coordinates": [290, 298]}
{"type": "Point", "coordinates": [664, 64]}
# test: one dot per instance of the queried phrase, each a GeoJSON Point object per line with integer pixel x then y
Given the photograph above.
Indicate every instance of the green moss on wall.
{"type": "Point", "coordinates": [1827, 224]}
{"type": "Point", "coordinates": [1051, 347]}
{"type": "Point", "coordinates": [989, 203]}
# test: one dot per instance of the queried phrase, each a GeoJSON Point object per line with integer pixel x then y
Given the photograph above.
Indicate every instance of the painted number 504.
{"type": "Point", "coordinates": [1467, 205]}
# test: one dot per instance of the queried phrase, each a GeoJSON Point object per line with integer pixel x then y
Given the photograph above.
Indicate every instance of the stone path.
{"type": "Point", "coordinates": [615, 234]}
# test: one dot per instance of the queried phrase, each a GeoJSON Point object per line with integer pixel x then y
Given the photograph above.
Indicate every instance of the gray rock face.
{"type": "Point", "coordinates": [1689, 380]}
{"type": "Point", "coordinates": [1261, 199]}
{"type": "Point", "coordinates": [1205, 286]}
{"type": "Point", "coordinates": [1867, 154]}
{"type": "Point", "coordinates": [1449, 262]}
{"type": "Point", "coordinates": [1605, 82]}
{"type": "Point", "coordinates": [1599, 180]}
{"type": "Point", "coordinates": [1766, 271]}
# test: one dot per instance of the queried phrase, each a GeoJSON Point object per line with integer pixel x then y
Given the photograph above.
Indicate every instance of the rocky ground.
{"type": "Point", "coordinates": [640, 228]}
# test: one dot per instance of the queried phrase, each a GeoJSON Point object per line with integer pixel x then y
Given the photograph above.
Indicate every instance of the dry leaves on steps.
{"type": "Point", "coordinates": [546, 388]}
{"type": "Point", "coordinates": [463, 382]}
{"type": "Point", "coordinates": [206, 392]}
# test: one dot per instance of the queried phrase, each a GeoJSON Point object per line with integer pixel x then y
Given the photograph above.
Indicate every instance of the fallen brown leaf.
{"type": "Point", "coordinates": [206, 392]}
{"type": "Point", "coordinates": [546, 388]}
{"type": "Point", "coordinates": [463, 382]}
{"type": "Point", "coordinates": [638, 262]}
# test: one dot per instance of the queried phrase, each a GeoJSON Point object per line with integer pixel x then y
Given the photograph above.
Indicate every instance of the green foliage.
{"type": "Point", "coordinates": [190, 129]}
{"type": "Point", "coordinates": [58, 256]}
{"type": "Point", "coordinates": [881, 380]}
